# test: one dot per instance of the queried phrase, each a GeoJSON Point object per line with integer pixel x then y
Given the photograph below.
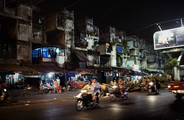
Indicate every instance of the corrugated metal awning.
{"type": "Point", "coordinates": [174, 50]}
{"type": "Point", "coordinates": [81, 55]}
{"type": "Point", "coordinates": [12, 67]}
{"type": "Point", "coordinates": [42, 68]}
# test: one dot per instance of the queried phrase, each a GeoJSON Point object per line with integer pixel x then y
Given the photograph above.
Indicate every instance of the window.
{"type": "Point", "coordinates": [10, 48]}
{"type": "Point", "coordinates": [36, 53]}
{"type": "Point", "coordinates": [82, 64]}
{"type": "Point", "coordinates": [50, 52]}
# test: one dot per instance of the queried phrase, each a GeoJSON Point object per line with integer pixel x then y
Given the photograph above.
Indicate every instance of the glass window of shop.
{"type": "Point", "coordinates": [13, 78]}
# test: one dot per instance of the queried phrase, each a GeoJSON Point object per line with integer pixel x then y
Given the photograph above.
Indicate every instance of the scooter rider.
{"type": "Point", "coordinates": [1, 91]}
{"type": "Point", "coordinates": [89, 87]}
{"type": "Point", "coordinates": [156, 83]}
{"type": "Point", "coordinates": [122, 85]}
{"type": "Point", "coordinates": [96, 91]}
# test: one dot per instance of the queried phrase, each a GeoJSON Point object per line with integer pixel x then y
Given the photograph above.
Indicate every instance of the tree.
{"type": "Point", "coordinates": [125, 43]}
{"type": "Point", "coordinates": [169, 65]}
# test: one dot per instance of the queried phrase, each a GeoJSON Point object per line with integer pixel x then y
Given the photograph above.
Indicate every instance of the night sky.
{"type": "Point", "coordinates": [132, 16]}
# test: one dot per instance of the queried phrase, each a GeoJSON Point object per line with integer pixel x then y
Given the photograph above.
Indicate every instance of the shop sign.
{"type": "Point", "coordinates": [108, 73]}
{"type": "Point", "coordinates": [135, 67]}
{"type": "Point", "coordinates": [115, 70]}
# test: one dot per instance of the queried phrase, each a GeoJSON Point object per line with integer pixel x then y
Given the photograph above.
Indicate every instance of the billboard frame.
{"type": "Point", "coordinates": [168, 30]}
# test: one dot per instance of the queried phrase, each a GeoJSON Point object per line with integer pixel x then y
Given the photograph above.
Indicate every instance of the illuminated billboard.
{"type": "Point", "coordinates": [169, 38]}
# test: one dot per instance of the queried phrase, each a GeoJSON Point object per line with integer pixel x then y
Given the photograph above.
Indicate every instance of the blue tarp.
{"type": "Point", "coordinates": [119, 48]}
{"type": "Point", "coordinates": [70, 74]}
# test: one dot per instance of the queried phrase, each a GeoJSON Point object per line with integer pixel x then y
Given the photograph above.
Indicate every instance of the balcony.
{"type": "Point", "coordinates": [25, 12]}
{"type": "Point", "coordinates": [112, 30]}
{"type": "Point", "coordinates": [9, 11]}
{"type": "Point", "coordinates": [151, 58]}
{"type": "Point", "coordinates": [143, 55]}
{"type": "Point", "coordinates": [133, 44]}
{"type": "Point", "coordinates": [9, 8]}
{"type": "Point", "coordinates": [89, 21]}
{"type": "Point", "coordinates": [104, 49]}
{"type": "Point", "coordinates": [90, 33]}
{"type": "Point", "coordinates": [54, 23]}
{"type": "Point", "coordinates": [142, 46]}
{"type": "Point", "coordinates": [134, 52]}
{"type": "Point", "coordinates": [96, 32]}
{"type": "Point", "coordinates": [62, 21]}
{"type": "Point", "coordinates": [37, 36]}
{"type": "Point", "coordinates": [93, 60]}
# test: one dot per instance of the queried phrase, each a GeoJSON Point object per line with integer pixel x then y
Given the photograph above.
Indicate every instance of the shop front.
{"type": "Point", "coordinates": [48, 72]}
{"type": "Point", "coordinates": [10, 74]}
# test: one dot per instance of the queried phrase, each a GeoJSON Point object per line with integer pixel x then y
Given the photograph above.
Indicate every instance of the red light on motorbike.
{"type": "Point", "coordinates": [169, 86]}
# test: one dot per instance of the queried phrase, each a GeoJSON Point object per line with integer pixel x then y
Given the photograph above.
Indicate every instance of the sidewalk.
{"type": "Point", "coordinates": [24, 97]}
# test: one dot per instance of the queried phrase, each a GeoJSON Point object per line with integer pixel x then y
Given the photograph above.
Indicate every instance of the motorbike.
{"type": "Point", "coordinates": [69, 86]}
{"type": "Point", "coordinates": [144, 87]}
{"type": "Point", "coordinates": [84, 99]}
{"type": "Point", "coordinates": [6, 96]}
{"type": "Point", "coordinates": [151, 89]}
{"type": "Point", "coordinates": [116, 93]}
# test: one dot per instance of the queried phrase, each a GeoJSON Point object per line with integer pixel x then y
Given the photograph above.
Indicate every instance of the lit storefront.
{"type": "Point", "coordinates": [48, 54]}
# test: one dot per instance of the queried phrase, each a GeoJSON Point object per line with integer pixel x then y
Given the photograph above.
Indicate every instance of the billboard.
{"type": "Point", "coordinates": [168, 38]}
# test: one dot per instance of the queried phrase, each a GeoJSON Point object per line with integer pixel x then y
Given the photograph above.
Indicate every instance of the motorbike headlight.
{"type": "Point", "coordinates": [151, 83]}
{"type": "Point", "coordinates": [5, 90]}
{"type": "Point", "coordinates": [114, 87]}
{"type": "Point", "coordinates": [83, 91]}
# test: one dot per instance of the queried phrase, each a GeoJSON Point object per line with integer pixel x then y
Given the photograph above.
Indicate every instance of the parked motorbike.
{"type": "Point", "coordinates": [84, 99]}
{"type": "Point", "coordinates": [6, 96]}
{"type": "Point", "coordinates": [151, 89]}
{"type": "Point", "coordinates": [115, 93]}
{"type": "Point", "coordinates": [69, 86]}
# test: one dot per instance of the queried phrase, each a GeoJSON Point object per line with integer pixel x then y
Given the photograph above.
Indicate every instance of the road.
{"type": "Point", "coordinates": [138, 106]}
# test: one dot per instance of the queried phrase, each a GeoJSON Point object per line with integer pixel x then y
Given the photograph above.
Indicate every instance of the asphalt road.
{"type": "Point", "coordinates": [138, 106]}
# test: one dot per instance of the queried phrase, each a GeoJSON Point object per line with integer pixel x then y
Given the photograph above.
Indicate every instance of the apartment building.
{"type": "Point", "coordinates": [143, 54]}
{"type": "Point", "coordinates": [15, 38]}
{"type": "Point", "coordinates": [155, 59]}
{"type": "Point", "coordinates": [133, 46]}
{"type": "Point", "coordinates": [33, 40]}
{"type": "Point", "coordinates": [86, 41]}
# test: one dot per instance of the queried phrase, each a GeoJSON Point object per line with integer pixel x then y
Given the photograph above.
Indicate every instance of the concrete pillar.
{"type": "Point", "coordinates": [176, 69]}
{"type": "Point", "coordinates": [176, 74]}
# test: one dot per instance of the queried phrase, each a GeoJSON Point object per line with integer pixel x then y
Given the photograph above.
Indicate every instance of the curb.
{"type": "Point", "coordinates": [34, 102]}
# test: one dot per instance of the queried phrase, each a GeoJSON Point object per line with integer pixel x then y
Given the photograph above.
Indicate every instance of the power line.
{"type": "Point", "coordinates": [157, 23]}
{"type": "Point", "coordinates": [110, 11]}
{"type": "Point", "coordinates": [66, 8]}
{"type": "Point", "coordinates": [74, 4]}
{"type": "Point", "coordinates": [7, 3]}
{"type": "Point", "coordinates": [24, 4]}
{"type": "Point", "coordinates": [38, 2]}
{"type": "Point", "coordinates": [147, 11]}
{"type": "Point", "coordinates": [107, 11]}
